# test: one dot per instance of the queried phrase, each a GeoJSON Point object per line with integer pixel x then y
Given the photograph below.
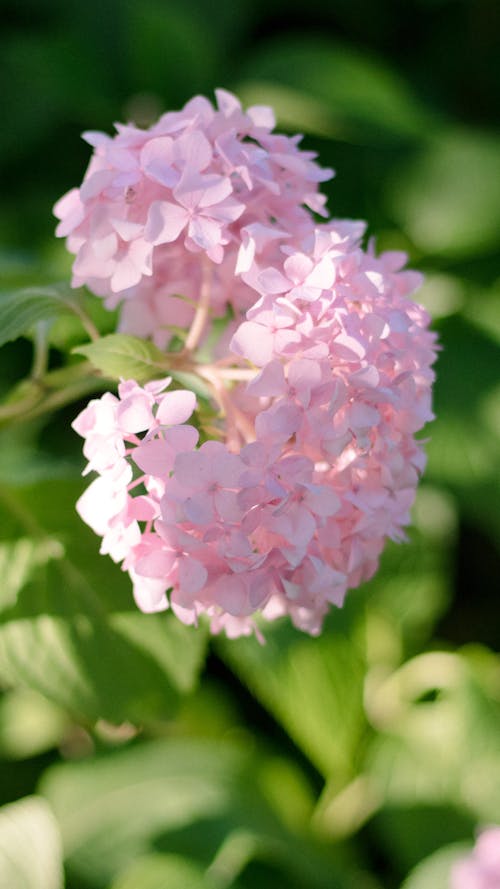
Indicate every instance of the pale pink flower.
{"type": "Point", "coordinates": [200, 181]}
{"type": "Point", "coordinates": [320, 377]}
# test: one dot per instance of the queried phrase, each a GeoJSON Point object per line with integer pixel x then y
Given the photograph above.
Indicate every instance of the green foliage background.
{"type": "Point", "coordinates": [135, 753]}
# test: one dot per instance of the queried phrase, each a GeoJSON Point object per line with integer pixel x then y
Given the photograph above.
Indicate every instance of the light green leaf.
{"type": "Point", "coordinates": [434, 872]}
{"type": "Point", "coordinates": [296, 109]}
{"type": "Point", "coordinates": [116, 808]}
{"type": "Point", "coordinates": [437, 741]}
{"type": "Point", "coordinates": [448, 198]}
{"type": "Point", "coordinates": [74, 633]}
{"type": "Point", "coordinates": [21, 309]}
{"type": "Point", "coordinates": [119, 355]}
{"type": "Point", "coordinates": [197, 799]}
{"type": "Point", "coordinates": [162, 871]}
{"type": "Point", "coordinates": [29, 724]}
{"type": "Point", "coordinates": [30, 846]}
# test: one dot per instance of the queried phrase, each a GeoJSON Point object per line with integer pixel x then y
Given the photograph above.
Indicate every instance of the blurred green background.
{"type": "Point", "coordinates": [136, 754]}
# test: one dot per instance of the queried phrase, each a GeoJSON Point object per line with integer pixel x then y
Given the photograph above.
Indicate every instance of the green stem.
{"type": "Point", "coordinates": [55, 390]}
{"type": "Point", "coordinates": [40, 350]}
{"type": "Point", "coordinates": [85, 319]}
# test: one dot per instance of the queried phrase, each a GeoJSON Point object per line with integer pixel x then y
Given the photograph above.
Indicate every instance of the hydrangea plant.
{"type": "Point", "coordinates": [270, 481]}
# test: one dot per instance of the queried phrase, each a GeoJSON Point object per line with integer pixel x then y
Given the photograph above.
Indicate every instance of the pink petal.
{"type": "Point", "coordinates": [272, 281]}
{"type": "Point", "coordinates": [262, 116]}
{"type": "Point", "coordinates": [165, 222]}
{"type": "Point", "coordinates": [134, 414]}
{"type": "Point", "coordinates": [176, 407]}
{"type": "Point", "coordinates": [270, 381]}
{"type": "Point", "coordinates": [193, 470]}
{"type": "Point", "coordinates": [154, 457]}
{"type": "Point", "coordinates": [158, 564]}
{"type": "Point", "coordinates": [199, 509]}
{"type": "Point", "coordinates": [322, 275]}
{"type": "Point", "coordinates": [127, 230]}
{"type": "Point", "coordinates": [193, 151]}
{"type": "Point", "coordinates": [156, 161]}
{"type": "Point", "coordinates": [135, 264]}
{"type": "Point", "coordinates": [181, 438]}
{"type": "Point", "coordinates": [321, 500]}
{"type": "Point", "coordinates": [149, 594]}
{"type": "Point", "coordinates": [297, 267]}
{"type": "Point", "coordinates": [195, 190]}
{"type": "Point", "coordinates": [254, 342]}
{"type": "Point", "coordinates": [227, 102]}
{"type": "Point", "coordinates": [96, 183]}
{"type": "Point", "coordinates": [206, 233]}
{"type": "Point", "coordinates": [231, 594]}
{"type": "Point", "coordinates": [192, 575]}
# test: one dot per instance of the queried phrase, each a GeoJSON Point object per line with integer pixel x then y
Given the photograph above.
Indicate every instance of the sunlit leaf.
{"type": "Point", "coordinates": [435, 871]}
{"type": "Point", "coordinates": [196, 799]}
{"type": "Point", "coordinates": [120, 355]}
{"type": "Point", "coordinates": [448, 198]}
{"type": "Point", "coordinates": [161, 871]}
{"type": "Point", "coordinates": [437, 742]}
{"type": "Point", "coordinates": [74, 634]}
{"type": "Point", "coordinates": [30, 846]}
{"type": "Point", "coordinates": [29, 724]}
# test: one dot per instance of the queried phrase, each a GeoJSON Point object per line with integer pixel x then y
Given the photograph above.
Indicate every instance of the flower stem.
{"type": "Point", "coordinates": [202, 311]}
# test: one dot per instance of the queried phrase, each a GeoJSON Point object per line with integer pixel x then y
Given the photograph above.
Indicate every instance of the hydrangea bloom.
{"type": "Point", "coordinates": [319, 382]}
{"type": "Point", "coordinates": [481, 869]}
{"type": "Point", "coordinates": [197, 185]}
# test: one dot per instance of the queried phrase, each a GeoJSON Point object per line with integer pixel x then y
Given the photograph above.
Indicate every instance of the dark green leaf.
{"type": "Point", "coordinates": [21, 309]}
{"type": "Point", "coordinates": [361, 97]}
{"type": "Point", "coordinates": [313, 686]}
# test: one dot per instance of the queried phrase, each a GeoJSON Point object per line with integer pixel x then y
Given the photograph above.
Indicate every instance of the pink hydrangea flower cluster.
{"type": "Point", "coordinates": [481, 869]}
{"type": "Point", "coordinates": [319, 380]}
{"type": "Point", "coordinates": [198, 185]}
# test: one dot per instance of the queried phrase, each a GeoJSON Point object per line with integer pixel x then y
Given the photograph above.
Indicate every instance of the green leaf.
{"type": "Point", "coordinates": [29, 724]}
{"type": "Point", "coordinates": [437, 741]}
{"type": "Point", "coordinates": [160, 871]}
{"type": "Point", "coordinates": [448, 198]}
{"type": "Point", "coordinates": [296, 109]}
{"type": "Point", "coordinates": [97, 655]}
{"type": "Point", "coordinates": [197, 799]}
{"type": "Point", "coordinates": [119, 355]}
{"type": "Point", "coordinates": [465, 437]}
{"type": "Point", "coordinates": [361, 97]}
{"type": "Point", "coordinates": [21, 309]}
{"type": "Point", "coordinates": [434, 872]}
{"type": "Point", "coordinates": [191, 60]}
{"type": "Point", "coordinates": [30, 846]}
{"type": "Point", "coordinates": [409, 833]}
{"type": "Point", "coordinates": [312, 686]}
{"type": "Point", "coordinates": [18, 561]}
